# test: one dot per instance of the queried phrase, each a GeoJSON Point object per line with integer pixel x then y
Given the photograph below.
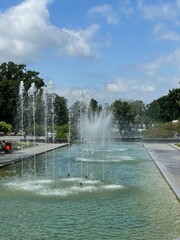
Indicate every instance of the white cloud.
{"type": "Point", "coordinates": [161, 10]}
{"type": "Point", "coordinates": [164, 33]}
{"type": "Point", "coordinates": [126, 8]}
{"type": "Point", "coordinates": [129, 87]}
{"type": "Point", "coordinates": [170, 35]}
{"type": "Point", "coordinates": [116, 87]}
{"type": "Point", "coordinates": [162, 61]}
{"type": "Point", "coordinates": [77, 94]}
{"type": "Point", "coordinates": [105, 11]}
{"type": "Point", "coordinates": [167, 14]}
{"type": "Point", "coordinates": [76, 43]}
{"type": "Point", "coordinates": [145, 88]}
{"type": "Point", "coordinates": [25, 30]}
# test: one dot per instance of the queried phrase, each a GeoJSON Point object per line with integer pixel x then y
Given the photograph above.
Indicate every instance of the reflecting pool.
{"type": "Point", "coordinates": [114, 192]}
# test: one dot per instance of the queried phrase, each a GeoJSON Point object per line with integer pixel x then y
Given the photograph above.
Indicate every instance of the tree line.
{"type": "Point", "coordinates": [127, 115]}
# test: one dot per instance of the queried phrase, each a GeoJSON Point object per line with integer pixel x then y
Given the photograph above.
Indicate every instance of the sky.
{"type": "Point", "coordinates": [101, 49]}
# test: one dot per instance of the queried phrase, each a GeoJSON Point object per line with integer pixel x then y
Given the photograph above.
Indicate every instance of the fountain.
{"type": "Point", "coordinates": [21, 98]}
{"type": "Point", "coordinates": [128, 204]}
{"type": "Point", "coordinates": [31, 95]}
{"type": "Point", "coordinates": [95, 189]}
{"type": "Point", "coordinates": [45, 105]}
{"type": "Point", "coordinates": [94, 133]}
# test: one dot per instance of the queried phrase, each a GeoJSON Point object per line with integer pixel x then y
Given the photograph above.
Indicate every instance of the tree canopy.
{"type": "Point", "coordinates": [126, 113]}
{"type": "Point", "coordinates": [166, 108]}
{"type": "Point", "coordinates": [11, 75]}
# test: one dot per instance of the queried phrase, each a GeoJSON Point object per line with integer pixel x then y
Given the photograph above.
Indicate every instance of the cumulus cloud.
{"type": "Point", "coordinates": [106, 11]}
{"type": "Point", "coordinates": [76, 43]}
{"type": "Point", "coordinates": [77, 94]}
{"type": "Point", "coordinates": [165, 15]}
{"type": "Point", "coordinates": [25, 30]}
{"type": "Point", "coordinates": [161, 10]}
{"type": "Point", "coordinates": [144, 88]}
{"type": "Point", "coordinates": [172, 59]}
{"type": "Point", "coordinates": [126, 8]}
{"type": "Point", "coordinates": [128, 88]}
{"type": "Point", "coordinates": [164, 33]}
{"type": "Point", "coordinates": [116, 87]}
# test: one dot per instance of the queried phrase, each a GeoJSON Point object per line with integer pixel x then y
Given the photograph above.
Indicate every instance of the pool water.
{"type": "Point", "coordinates": [115, 192]}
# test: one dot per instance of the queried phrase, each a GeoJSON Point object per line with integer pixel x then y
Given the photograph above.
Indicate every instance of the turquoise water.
{"type": "Point", "coordinates": [111, 193]}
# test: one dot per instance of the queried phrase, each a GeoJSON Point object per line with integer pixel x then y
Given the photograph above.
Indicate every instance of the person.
{"type": "Point", "coordinates": [3, 145]}
{"type": "Point", "coordinates": [49, 140]}
{"type": "Point", "coordinates": [177, 135]}
{"type": "Point", "coordinates": [6, 146]}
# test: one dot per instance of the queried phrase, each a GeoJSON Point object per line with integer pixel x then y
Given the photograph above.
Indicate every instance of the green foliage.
{"type": "Point", "coordinates": [94, 107]}
{"type": "Point", "coordinates": [11, 75]}
{"type": "Point", "coordinates": [61, 110]}
{"type": "Point", "coordinates": [122, 113]}
{"type": "Point", "coordinates": [75, 110]}
{"type": "Point", "coordinates": [62, 132]}
{"type": "Point", "coordinates": [166, 108]}
{"type": "Point", "coordinates": [126, 114]}
{"type": "Point", "coordinates": [5, 127]}
{"type": "Point", "coordinates": [163, 130]}
{"type": "Point", "coordinates": [39, 130]}
{"type": "Point", "coordinates": [20, 145]}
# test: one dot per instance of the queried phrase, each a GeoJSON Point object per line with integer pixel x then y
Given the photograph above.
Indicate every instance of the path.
{"type": "Point", "coordinates": [15, 156]}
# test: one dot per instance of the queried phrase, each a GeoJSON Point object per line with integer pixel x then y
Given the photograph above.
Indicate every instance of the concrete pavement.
{"type": "Point", "coordinates": [167, 158]}
{"type": "Point", "coordinates": [17, 155]}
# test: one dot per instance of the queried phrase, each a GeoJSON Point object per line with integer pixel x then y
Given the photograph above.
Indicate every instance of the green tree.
{"type": "Point", "coordinates": [166, 108]}
{"type": "Point", "coordinates": [137, 111]}
{"type": "Point", "coordinates": [76, 110]}
{"type": "Point", "coordinates": [153, 112]}
{"type": "Point", "coordinates": [11, 75]}
{"type": "Point", "coordinates": [173, 104]}
{"type": "Point", "coordinates": [94, 107]}
{"type": "Point", "coordinates": [122, 114]}
{"type": "Point", "coordinates": [61, 110]}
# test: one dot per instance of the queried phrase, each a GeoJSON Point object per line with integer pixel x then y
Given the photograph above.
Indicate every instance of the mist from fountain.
{"type": "Point", "coordinates": [31, 97]}
{"type": "Point", "coordinates": [95, 129]}
{"type": "Point", "coordinates": [21, 99]}
{"type": "Point", "coordinates": [45, 106]}
{"type": "Point", "coordinates": [31, 94]}
{"type": "Point", "coordinates": [94, 132]}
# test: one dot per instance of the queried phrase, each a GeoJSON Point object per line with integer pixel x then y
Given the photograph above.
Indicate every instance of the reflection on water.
{"type": "Point", "coordinates": [118, 193]}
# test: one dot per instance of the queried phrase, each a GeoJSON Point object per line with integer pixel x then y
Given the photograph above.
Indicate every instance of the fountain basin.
{"type": "Point", "coordinates": [66, 196]}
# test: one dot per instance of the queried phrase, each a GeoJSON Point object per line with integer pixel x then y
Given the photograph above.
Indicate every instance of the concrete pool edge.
{"type": "Point", "coordinates": [17, 155]}
{"type": "Point", "coordinates": [167, 158]}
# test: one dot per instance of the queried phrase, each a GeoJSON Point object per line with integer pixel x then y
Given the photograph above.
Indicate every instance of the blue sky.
{"type": "Point", "coordinates": [106, 50]}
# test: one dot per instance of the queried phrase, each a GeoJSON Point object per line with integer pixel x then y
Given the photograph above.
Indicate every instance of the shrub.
{"type": "Point", "coordinates": [5, 127]}
{"type": "Point", "coordinates": [163, 130]}
{"type": "Point", "coordinates": [62, 132]}
{"type": "Point", "coordinates": [39, 130]}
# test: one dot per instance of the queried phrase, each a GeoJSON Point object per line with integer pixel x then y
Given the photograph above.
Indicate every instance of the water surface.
{"type": "Point", "coordinates": [115, 192]}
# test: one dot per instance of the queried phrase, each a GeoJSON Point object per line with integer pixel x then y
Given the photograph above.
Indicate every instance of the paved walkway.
{"type": "Point", "coordinates": [17, 155]}
{"type": "Point", "coordinates": [167, 158]}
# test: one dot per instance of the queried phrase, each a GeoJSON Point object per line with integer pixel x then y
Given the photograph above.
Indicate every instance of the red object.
{"type": "Point", "coordinates": [8, 148]}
